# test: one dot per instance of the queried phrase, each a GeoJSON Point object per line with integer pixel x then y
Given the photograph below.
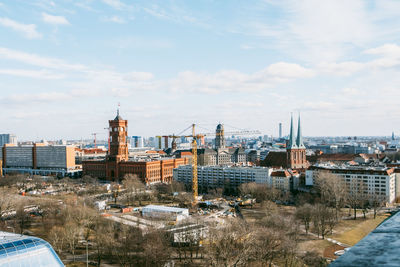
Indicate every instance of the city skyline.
{"type": "Point", "coordinates": [65, 66]}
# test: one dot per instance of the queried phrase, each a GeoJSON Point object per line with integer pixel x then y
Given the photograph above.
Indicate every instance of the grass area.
{"type": "Point", "coordinates": [352, 231]}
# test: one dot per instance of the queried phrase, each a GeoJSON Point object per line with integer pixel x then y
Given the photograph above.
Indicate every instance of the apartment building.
{"type": "Point", "coordinates": [210, 177]}
{"type": "Point", "coordinates": [375, 180]}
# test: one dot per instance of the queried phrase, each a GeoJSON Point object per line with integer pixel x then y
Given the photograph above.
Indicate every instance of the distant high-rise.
{"type": "Point", "coordinates": [392, 135]}
{"type": "Point", "coordinates": [219, 137]}
{"type": "Point", "coordinates": [7, 139]}
{"type": "Point", "coordinates": [280, 130]}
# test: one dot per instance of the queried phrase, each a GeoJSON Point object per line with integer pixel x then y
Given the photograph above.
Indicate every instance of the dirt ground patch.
{"type": "Point", "coordinates": [317, 245]}
{"type": "Point", "coordinates": [329, 252]}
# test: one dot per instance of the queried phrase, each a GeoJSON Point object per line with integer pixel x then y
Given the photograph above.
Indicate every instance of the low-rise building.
{"type": "Point", "coordinates": [285, 180]}
{"type": "Point", "coordinates": [187, 233]}
{"type": "Point", "coordinates": [165, 212]}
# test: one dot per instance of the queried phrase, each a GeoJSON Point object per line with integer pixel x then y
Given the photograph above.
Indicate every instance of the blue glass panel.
{"type": "Point", "coordinates": [11, 249]}
{"type": "Point", "coordinates": [21, 249]}
{"type": "Point", "coordinates": [30, 245]}
{"type": "Point", "coordinates": [26, 241]}
{"type": "Point", "coordinates": [18, 243]}
{"type": "Point", "coordinates": [8, 245]}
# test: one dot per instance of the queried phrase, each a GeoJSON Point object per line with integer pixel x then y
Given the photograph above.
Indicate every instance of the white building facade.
{"type": "Point", "coordinates": [219, 176]}
{"type": "Point", "coordinates": [379, 181]}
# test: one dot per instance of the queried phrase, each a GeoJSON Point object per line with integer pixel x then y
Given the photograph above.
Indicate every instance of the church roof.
{"type": "Point", "coordinates": [292, 143]}
{"type": "Point", "coordinates": [299, 140]}
{"type": "Point", "coordinates": [275, 159]}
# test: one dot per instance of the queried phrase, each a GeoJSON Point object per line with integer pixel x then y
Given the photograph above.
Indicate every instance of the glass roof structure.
{"type": "Point", "coordinates": [25, 251]}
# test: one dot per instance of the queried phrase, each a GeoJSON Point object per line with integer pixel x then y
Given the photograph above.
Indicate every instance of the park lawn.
{"type": "Point", "coordinates": [355, 230]}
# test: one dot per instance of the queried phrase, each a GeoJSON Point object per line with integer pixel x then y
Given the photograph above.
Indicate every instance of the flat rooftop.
{"type": "Point", "coordinates": [164, 208]}
{"type": "Point", "coordinates": [381, 247]}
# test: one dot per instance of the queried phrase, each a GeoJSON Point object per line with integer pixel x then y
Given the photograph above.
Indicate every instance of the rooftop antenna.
{"type": "Point", "coordinates": [119, 104]}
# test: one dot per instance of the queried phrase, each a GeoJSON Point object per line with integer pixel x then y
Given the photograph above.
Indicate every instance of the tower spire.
{"type": "Point", "coordinates": [118, 117]}
{"type": "Point", "coordinates": [292, 144]}
{"type": "Point", "coordinates": [299, 140]}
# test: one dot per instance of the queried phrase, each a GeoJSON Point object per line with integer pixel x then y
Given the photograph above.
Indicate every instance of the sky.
{"type": "Point", "coordinates": [65, 65]}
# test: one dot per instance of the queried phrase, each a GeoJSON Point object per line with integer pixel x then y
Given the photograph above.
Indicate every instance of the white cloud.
{"type": "Point", "coordinates": [116, 19]}
{"type": "Point", "coordinates": [28, 30]}
{"type": "Point", "coordinates": [139, 76]}
{"type": "Point", "coordinates": [117, 4]}
{"type": "Point", "coordinates": [56, 20]}
{"type": "Point", "coordinates": [235, 81]}
{"type": "Point", "coordinates": [37, 97]}
{"type": "Point", "coordinates": [351, 92]}
{"type": "Point", "coordinates": [289, 70]}
{"type": "Point", "coordinates": [40, 61]}
{"type": "Point", "coordinates": [41, 74]}
{"type": "Point", "coordinates": [391, 50]}
{"type": "Point", "coordinates": [343, 68]}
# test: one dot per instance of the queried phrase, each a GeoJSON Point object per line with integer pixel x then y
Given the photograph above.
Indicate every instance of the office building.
{"type": "Point", "coordinates": [39, 159]}
{"type": "Point", "coordinates": [7, 139]}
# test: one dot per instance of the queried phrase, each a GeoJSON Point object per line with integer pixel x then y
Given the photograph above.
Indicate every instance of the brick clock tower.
{"type": "Point", "coordinates": [296, 151]}
{"type": "Point", "coordinates": [118, 145]}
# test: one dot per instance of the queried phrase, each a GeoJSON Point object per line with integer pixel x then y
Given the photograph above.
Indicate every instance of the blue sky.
{"type": "Point", "coordinates": [65, 65]}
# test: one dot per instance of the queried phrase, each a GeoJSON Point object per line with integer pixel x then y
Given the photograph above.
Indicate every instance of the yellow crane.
{"type": "Point", "coordinates": [196, 137]}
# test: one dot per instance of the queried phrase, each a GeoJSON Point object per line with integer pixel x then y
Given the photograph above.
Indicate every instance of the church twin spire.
{"type": "Point", "coordinates": [299, 140]}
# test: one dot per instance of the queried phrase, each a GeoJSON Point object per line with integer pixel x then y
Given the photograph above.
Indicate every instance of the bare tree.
{"type": "Point", "coordinates": [72, 236]}
{"type": "Point", "coordinates": [6, 202]}
{"type": "Point", "coordinates": [57, 238]}
{"type": "Point", "coordinates": [355, 195]}
{"type": "Point", "coordinates": [376, 202]}
{"type": "Point", "coordinates": [156, 251]}
{"type": "Point", "coordinates": [102, 237]}
{"type": "Point", "coordinates": [230, 245]}
{"type": "Point", "coordinates": [304, 214]}
{"type": "Point", "coordinates": [22, 218]}
{"type": "Point", "coordinates": [259, 191]}
{"type": "Point", "coordinates": [333, 190]}
{"type": "Point", "coordinates": [133, 186]}
{"type": "Point", "coordinates": [267, 245]}
{"type": "Point", "coordinates": [324, 219]}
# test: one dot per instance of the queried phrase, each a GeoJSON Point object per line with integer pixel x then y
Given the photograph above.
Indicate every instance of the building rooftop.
{"type": "Point", "coordinates": [164, 208]}
{"type": "Point", "coordinates": [379, 248]}
{"type": "Point", "coordinates": [21, 250]}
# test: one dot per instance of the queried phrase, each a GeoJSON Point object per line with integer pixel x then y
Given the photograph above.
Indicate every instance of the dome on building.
{"type": "Point", "coordinates": [220, 127]}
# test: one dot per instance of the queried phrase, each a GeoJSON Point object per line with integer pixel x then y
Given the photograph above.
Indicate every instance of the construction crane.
{"type": "Point", "coordinates": [195, 137]}
{"type": "Point", "coordinates": [94, 135]}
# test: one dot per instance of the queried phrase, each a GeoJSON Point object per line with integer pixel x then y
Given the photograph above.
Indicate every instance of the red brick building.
{"type": "Point", "coordinates": [295, 156]}
{"type": "Point", "coordinates": [117, 163]}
